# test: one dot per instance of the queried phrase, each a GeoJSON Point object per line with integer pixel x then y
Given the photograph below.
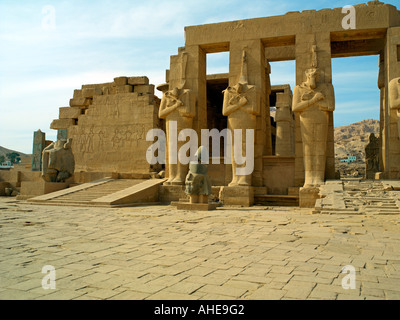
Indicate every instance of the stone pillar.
{"type": "Point", "coordinates": [392, 71]}
{"type": "Point", "coordinates": [382, 113]}
{"type": "Point", "coordinates": [196, 80]}
{"type": "Point", "coordinates": [283, 119]}
{"type": "Point", "coordinates": [39, 143]}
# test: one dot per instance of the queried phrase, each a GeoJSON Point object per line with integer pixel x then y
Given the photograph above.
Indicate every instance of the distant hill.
{"type": "Point", "coordinates": [351, 140]}
{"type": "Point", "coordinates": [4, 151]}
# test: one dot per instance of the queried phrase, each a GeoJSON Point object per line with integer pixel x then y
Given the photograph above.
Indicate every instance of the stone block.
{"type": "Point", "coordinates": [144, 89]}
{"type": "Point", "coordinates": [379, 175]}
{"type": "Point", "coordinates": [260, 190]}
{"type": "Point", "coordinates": [308, 197]}
{"type": "Point", "coordinates": [107, 90]}
{"type": "Point", "coordinates": [3, 187]}
{"type": "Point", "coordinates": [196, 206]}
{"type": "Point", "coordinates": [30, 189]}
{"type": "Point", "coordinates": [121, 81]}
{"type": "Point", "coordinates": [124, 89]}
{"type": "Point", "coordinates": [91, 92]}
{"type": "Point", "coordinates": [135, 81]}
{"type": "Point", "coordinates": [77, 94]}
{"type": "Point", "coordinates": [78, 102]}
{"type": "Point", "coordinates": [278, 174]}
{"type": "Point", "coordinates": [69, 112]}
{"type": "Point", "coordinates": [293, 191]}
{"type": "Point", "coordinates": [237, 196]}
{"type": "Point", "coordinates": [172, 193]}
{"type": "Point", "coordinates": [62, 124]}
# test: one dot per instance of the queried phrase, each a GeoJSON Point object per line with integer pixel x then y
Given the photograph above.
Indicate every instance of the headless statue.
{"type": "Point", "coordinates": [58, 162]}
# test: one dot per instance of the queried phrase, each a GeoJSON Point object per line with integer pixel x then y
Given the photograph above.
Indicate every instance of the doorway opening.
{"type": "Point", "coordinates": [217, 82]}
{"type": "Point", "coordinates": [357, 111]}
{"type": "Point", "coordinates": [282, 80]}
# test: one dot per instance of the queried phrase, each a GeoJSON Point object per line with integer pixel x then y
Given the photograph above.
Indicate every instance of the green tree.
{"type": "Point", "coordinates": [2, 159]}
{"type": "Point", "coordinates": [13, 157]}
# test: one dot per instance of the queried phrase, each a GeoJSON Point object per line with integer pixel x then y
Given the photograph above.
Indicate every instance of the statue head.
{"type": "Point", "coordinates": [59, 144]}
{"type": "Point", "coordinates": [312, 77]}
{"type": "Point", "coordinates": [174, 92]}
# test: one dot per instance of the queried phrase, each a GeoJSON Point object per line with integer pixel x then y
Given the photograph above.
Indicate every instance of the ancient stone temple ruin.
{"type": "Point", "coordinates": [292, 154]}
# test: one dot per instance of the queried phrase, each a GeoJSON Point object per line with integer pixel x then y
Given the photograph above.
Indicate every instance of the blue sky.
{"type": "Point", "coordinates": [42, 60]}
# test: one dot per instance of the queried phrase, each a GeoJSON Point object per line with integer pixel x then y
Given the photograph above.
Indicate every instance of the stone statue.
{"type": "Point", "coordinates": [177, 105]}
{"type": "Point", "coordinates": [313, 101]}
{"type": "Point", "coordinates": [372, 157]}
{"type": "Point", "coordinates": [394, 99]}
{"type": "Point", "coordinates": [241, 105]}
{"type": "Point", "coordinates": [198, 185]}
{"type": "Point", "coordinates": [58, 162]}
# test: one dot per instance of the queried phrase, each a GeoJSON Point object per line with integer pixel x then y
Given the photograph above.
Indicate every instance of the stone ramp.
{"type": "Point", "coordinates": [359, 197]}
{"type": "Point", "coordinates": [105, 192]}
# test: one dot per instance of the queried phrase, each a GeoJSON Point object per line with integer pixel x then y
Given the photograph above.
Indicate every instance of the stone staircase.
{"type": "Point", "coordinates": [277, 200]}
{"type": "Point", "coordinates": [359, 197]}
{"type": "Point", "coordinates": [105, 192]}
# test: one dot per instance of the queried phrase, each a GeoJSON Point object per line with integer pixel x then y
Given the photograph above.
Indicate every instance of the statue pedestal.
{"type": "Point", "coordinates": [196, 206]}
{"type": "Point", "coordinates": [308, 197]}
{"type": "Point", "coordinates": [237, 196]}
{"type": "Point", "coordinates": [30, 189]}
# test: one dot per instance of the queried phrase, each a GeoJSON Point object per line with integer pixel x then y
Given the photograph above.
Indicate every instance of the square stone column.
{"type": "Point", "coordinates": [39, 143]}
{"type": "Point", "coordinates": [304, 61]}
{"type": "Point", "coordinates": [196, 80]}
{"type": "Point", "coordinates": [382, 114]}
{"type": "Point", "coordinates": [391, 156]}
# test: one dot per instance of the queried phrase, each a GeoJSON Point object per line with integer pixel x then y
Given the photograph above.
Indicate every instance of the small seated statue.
{"type": "Point", "coordinates": [58, 163]}
{"type": "Point", "coordinates": [198, 184]}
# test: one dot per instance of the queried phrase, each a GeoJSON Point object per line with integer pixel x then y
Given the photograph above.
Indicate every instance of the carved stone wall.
{"type": "Point", "coordinates": [108, 124]}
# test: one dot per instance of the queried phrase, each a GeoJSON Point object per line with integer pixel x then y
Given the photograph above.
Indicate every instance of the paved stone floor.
{"type": "Point", "coordinates": [161, 253]}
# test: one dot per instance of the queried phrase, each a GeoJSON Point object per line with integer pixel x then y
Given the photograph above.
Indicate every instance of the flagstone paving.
{"type": "Point", "coordinates": [157, 252]}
